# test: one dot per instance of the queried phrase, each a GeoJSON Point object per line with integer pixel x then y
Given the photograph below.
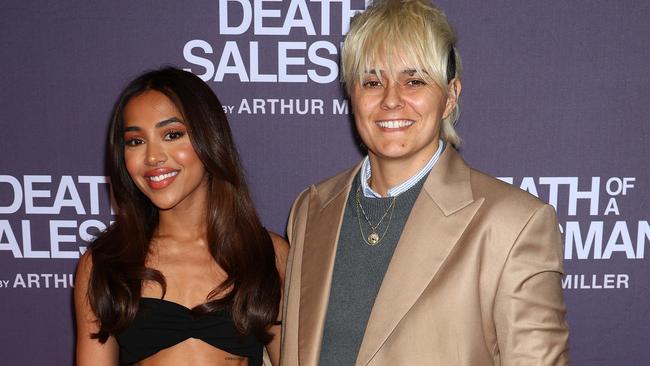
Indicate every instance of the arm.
{"type": "Point", "coordinates": [529, 307]}
{"type": "Point", "coordinates": [90, 351]}
{"type": "Point", "coordinates": [281, 252]}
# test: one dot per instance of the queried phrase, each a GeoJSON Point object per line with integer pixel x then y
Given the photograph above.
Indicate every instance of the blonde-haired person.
{"type": "Point", "coordinates": [412, 257]}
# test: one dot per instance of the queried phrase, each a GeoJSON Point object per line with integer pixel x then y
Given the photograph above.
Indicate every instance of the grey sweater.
{"type": "Point", "coordinates": [359, 270]}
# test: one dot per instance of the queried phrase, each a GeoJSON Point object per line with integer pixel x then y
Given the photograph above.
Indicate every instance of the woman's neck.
{"type": "Point", "coordinates": [182, 224]}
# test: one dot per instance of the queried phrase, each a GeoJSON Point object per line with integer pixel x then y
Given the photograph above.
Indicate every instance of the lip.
{"type": "Point", "coordinates": [160, 178]}
{"type": "Point", "coordinates": [394, 125]}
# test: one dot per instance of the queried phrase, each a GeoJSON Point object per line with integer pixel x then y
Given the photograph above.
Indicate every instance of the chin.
{"type": "Point", "coordinates": [395, 153]}
{"type": "Point", "coordinates": [164, 204]}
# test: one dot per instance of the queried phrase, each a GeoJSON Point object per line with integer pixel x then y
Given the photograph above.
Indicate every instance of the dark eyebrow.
{"type": "Point", "coordinates": [167, 122]}
{"type": "Point", "coordinates": [160, 124]}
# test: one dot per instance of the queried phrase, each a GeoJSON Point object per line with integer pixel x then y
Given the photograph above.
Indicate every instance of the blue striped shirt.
{"type": "Point", "coordinates": [366, 173]}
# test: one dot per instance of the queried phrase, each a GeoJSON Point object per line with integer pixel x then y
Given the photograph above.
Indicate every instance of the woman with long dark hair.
{"type": "Point", "coordinates": [186, 275]}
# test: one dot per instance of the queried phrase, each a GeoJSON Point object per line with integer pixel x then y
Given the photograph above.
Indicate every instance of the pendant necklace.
{"type": "Point", "coordinates": [373, 237]}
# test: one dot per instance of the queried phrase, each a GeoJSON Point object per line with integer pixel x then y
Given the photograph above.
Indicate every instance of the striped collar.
{"type": "Point", "coordinates": [366, 173]}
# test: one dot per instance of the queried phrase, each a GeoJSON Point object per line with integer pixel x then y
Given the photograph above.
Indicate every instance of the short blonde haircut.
{"type": "Point", "coordinates": [415, 32]}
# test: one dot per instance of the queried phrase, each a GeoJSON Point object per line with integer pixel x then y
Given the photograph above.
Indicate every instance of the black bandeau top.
{"type": "Point", "coordinates": [161, 324]}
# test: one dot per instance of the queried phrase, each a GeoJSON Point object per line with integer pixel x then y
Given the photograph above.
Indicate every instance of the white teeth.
{"type": "Point", "coordinates": [395, 124]}
{"type": "Point", "coordinates": [158, 178]}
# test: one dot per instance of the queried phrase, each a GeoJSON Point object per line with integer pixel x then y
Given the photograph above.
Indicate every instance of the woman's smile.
{"type": "Point", "coordinates": [159, 154]}
{"type": "Point", "coordinates": [395, 125]}
{"type": "Point", "coordinates": [161, 177]}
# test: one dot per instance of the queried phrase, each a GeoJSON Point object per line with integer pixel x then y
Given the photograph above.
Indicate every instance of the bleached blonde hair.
{"type": "Point", "coordinates": [404, 32]}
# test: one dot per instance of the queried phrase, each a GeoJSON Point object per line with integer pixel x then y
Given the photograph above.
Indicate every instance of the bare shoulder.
{"type": "Point", "coordinates": [82, 276]}
{"type": "Point", "coordinates": [89, 351]}
{"type": "Point", "coordinates": [86, 320]}
{"type": "Point", "coordinates": [81, 284]}
{"type": "Point", "coordinates": [281, 247]}
{"type": "Point", "coordinates": [86, 261]}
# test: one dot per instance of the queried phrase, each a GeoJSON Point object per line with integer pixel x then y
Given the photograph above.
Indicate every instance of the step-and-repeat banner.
{"type": "Point", "coordinates": [556, 99]}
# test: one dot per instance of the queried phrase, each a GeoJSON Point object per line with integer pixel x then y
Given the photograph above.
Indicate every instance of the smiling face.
{"type": "Point", "coordinates": [159, 155]}
{"type": "Point", "coordinates": [398, 115]}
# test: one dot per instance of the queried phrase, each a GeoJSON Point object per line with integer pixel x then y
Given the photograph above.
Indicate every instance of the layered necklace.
{"type": "Point", "coordinates": [373, 238]}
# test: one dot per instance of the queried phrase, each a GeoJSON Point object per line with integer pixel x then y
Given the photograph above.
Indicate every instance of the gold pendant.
{"type": "Point", "coordinates": [373, 238]}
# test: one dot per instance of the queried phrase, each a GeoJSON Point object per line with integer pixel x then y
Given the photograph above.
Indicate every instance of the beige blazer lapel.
{"type": "Point", "coordinates": [439, 217]}
{"type": "Point", "coordinates": [321, 239]}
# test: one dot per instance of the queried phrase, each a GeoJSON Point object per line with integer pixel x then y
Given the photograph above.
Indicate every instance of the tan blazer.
{"type": "Point", "coordinates": [475, 278]}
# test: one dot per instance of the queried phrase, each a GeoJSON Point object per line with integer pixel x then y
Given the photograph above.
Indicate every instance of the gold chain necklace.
{"type": "Point", "coordinates": [373, 238]}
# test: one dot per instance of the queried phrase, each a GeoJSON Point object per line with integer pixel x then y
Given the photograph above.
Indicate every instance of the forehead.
{"type": "Point", "coordinates": [149, 107]}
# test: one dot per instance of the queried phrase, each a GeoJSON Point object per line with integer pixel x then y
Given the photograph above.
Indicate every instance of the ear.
{"type": "Point", "coordinates": [453, 93]}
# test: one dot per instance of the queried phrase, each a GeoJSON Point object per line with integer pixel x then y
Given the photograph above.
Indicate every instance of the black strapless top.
{"type": "Point", "coordinates": [161, 324]}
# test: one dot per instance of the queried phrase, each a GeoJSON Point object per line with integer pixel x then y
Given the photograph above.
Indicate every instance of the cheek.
{"type": "Point", "coordinates": [131, 163]}
{"type": "Point", "coordinates": [362, 127]}
{"type": "Point", "coordinates": [186, 156]}
{"type": "Point", "coordinates": [362, 115]}
{"type": "Point", "coordinates": [432, 104]}
{"type": "Point", "coordinates": [361, 107]}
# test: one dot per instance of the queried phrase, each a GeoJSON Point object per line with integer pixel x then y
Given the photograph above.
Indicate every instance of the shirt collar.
{"type": "Point", "coordinates": [366, 173]}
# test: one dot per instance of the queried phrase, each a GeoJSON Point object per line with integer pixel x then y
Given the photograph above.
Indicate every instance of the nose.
{"type": "Point", "coordinates": [155, 154]}
{"type": "Point", "coordinates": [392, 97]}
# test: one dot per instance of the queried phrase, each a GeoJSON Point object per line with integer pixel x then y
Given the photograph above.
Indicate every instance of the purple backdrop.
{"type": "Point", "coordinates": [555, 100]}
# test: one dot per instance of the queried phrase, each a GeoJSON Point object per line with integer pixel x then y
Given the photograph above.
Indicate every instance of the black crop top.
{"type": "Point", "coordinates": [161, 324]}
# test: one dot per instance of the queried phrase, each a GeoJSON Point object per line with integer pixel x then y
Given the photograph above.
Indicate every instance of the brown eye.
{"type": "Point", "coordinates": [134, 141]}
{"type": "Point", "coordinates": [372, 84]}
{"type": "Point", "coordinates": [174, 135]}
{"type": "Point", "coordinates": [416, 82]}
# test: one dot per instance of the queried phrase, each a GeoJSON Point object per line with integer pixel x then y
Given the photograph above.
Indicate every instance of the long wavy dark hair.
{"type": "Point", "coordinates": [237, 241]}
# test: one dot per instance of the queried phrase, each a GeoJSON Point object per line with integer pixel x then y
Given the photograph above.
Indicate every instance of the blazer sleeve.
{"type": "Point", "coordinates": [291, 303]}
{"type": "Point", "coordinates": [529, 310]}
